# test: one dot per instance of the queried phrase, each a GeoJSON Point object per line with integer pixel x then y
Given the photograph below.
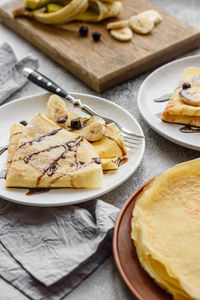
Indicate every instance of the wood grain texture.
{"type": "Point", "coordinates": [104, 64]}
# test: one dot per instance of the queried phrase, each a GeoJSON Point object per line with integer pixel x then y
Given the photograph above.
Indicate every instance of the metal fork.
{"type": "Point", "coordinates": [130, 138]}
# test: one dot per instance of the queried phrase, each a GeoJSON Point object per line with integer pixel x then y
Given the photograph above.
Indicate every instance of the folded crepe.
{"type": "Point", "coordinates": [106, 139]}
{"type": "Point", "coordinates": [44, 155]}
{"type": "Point", "coordinates": [184, 105]}
{"type": "Point", "coordinates": [166, 230]}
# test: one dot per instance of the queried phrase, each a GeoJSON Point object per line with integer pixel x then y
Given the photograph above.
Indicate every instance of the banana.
{"type": "Point", "coordinates": [98, 11]}
{"type": "Point", "coordinates": [117, 25]}
{"type": "Point", "coordinates": [94, 131]}
{"type": "Point", "coordinates": [114, 9]}
{"type": "Point", "coordinates": [56, 108]}
{"type": "Point", "coordinates": [191, 96]}
{"type": "Point", "coordinates": [151, 15]}
{"type": "Point", "coordinates": [123, 34]}
{"type": "Point", "coordinates": [80, 10]}
{"type": "Point", "coordinates": [36, 4]}
{"type": "Point", "coordinates": [53, 7]}
{"type": "Point", "coordinates": [64, 15]}
{"type": "Point", "coordinates": [91, 14]}
{"type": "Point", "coordinates": [141, 24]}
{"type": "Point", "coordinates": [95, 119]}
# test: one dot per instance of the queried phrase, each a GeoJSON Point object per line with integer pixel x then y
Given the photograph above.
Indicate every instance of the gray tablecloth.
{"type": "Point", "coordinates": [47, 252]}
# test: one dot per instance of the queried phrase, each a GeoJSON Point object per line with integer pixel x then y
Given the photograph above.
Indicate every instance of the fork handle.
{"type": "Point", "coordinates": [44, 82]}
{"type": "Point", "coordinates": [47, 84]}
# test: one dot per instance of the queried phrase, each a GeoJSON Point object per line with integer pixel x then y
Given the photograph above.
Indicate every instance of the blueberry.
{"type": "Point", "coordinates": [186, 85]}
{"type": "Point", "coordinates": [62, 119]}
{"type": "Point", "coordinates": [23, 122]}
{"type": "Point", "coordinates": [76, 124]}
{"type": "Point", "coordinates": [96, 36]}
{"type": "Point", "coordinates": [83, 30]}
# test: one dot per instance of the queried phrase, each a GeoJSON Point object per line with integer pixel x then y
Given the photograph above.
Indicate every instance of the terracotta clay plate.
{"type": "Point", "coordinates": [132, 273]}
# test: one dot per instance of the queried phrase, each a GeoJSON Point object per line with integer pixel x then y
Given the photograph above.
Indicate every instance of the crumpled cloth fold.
{"type": "Point", "coordinates": [47, 252]}
{"type": "Point", "coordinates": [11, 71]}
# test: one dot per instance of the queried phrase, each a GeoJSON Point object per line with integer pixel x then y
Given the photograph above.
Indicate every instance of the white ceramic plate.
{"type": "Point", "coordinates": [162, 81]}
{"type": "Point", "coordinates": [25, 109]}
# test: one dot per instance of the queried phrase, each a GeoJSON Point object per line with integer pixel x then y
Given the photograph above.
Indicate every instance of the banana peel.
{"type": "Point", "coordinates": [37, 4]}
{"type": "Point", "coordinates": [98, 11]}
{"type": "Point", "coordinates": [61, 16]}
{"type": "Point", "coordinates": [53, 7]}
{"type": "Point", "coordinates": [64, 15]}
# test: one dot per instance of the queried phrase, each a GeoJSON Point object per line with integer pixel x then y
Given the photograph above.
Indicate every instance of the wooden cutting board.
{"type": "Point", "coordinates": [108, 62]}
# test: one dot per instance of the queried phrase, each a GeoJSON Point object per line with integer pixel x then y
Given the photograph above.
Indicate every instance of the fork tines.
{"type": "Point", "coordinates": [131, 141]}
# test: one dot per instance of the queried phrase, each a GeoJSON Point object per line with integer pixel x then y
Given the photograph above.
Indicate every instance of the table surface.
{"type": "Point", "coordinates": [105, 282]}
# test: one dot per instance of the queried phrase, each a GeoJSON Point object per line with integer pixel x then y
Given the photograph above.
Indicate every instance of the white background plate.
{"type": "Point", "coordinates": [162, 81]}
{"type": "Point", "coordinates": [26, 109]}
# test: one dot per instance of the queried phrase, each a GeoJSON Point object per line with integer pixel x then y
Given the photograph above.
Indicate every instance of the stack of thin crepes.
{"type": "Point", "coordinates": [65, 11]}
{"type": "Point", "coordinates": [166, 230]}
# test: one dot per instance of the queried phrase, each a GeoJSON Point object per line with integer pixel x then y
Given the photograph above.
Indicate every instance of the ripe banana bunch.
{"type": "Point", "coordinates": [65, 11]}
{"type": "Point", "coordinates": [142, 23]}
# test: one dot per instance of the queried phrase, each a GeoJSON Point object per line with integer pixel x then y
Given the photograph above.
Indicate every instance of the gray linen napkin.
{"type": "Point", "coordinates": [47, 252]}
{"type": "Point", "coordinates": [11, 75]}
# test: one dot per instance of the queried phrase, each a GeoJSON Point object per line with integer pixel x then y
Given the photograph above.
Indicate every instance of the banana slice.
{"type": "Point", "coordinates": [152, 15]}
{"type": "Point", "coordinates": [141, 24]}
{"type": "Point", "coordinates": [94, 131]}
{"type": "Point", "coordinates": [190, 96]}
{"type": "Point", "coordinates": [117, 25]}
{"type": "Point", "coordinates": [56, 108]}
{"type": "Point", "coordinates": [123, 34]}
{"type": "Point", "coordinates": [93, 119]}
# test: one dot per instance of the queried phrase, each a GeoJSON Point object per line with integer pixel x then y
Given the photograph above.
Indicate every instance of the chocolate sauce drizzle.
{"type": "Point", "coordinates": [189, 129]}
{"type": "Point", "coordinates": [69, 146]}
{"type": "Point", "coordinates": [27, 158]}
{"type": "Point", "coordinates": [16, 133]}
{"type": "Point", "coordinates": [36, 191]}
{"type": "Point", "coordinates": [40, 138]}
{"type": "Point", "coordinates": [52, 168]}
{"type": "Point", "coordinates": [62, 119]}
{"type": "Point", "coordinates": [79, 164]}
{"type": "Point", "coordinates": [123, 161]}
